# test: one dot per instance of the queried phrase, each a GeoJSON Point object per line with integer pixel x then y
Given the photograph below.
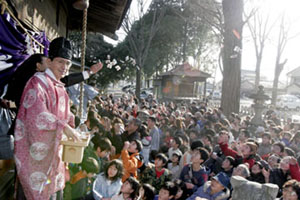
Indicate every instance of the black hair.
{"type": "Point", "coordinates": [181, 185]}
{"type": "Point", "coordinates": [21, 76]}
{"type": "Point", "coordinates": [209, 138]}
{"type": "Point", "coordinates": [210, 132]}
{"type": "Point", "coordinates": [178, 141]}
{"type": "Point", "coordinates": [267, 135]}
{"type": "Point", "coordinates": [208, 148]}
{"type": "Point", "coordinates": [153, 119]}
{"type": "Point", "coordinates": [162, 157]}
{"type": "Point", "coordinates": [196, 143]}
{"type": "Point", "coordinates": [103, 143]}
{"type": "Point", "coordinates": [246, 132]}
{"type": "Point", "coordinates": [135, 186]}
{"type": "Point", "coordinates": [171, 187]}
{"type": "Point", "coordinates": [139, 145]}
{"type": "Point", "coordinates": [281, 146]}
{"type": "Point", "coordinates": [136, 122]}
{"type": "Point", "coordinates": [119, 165]}
{"type": "Point", "coordinates": [149, 193]}
{"type": "Point", "coordinates": [290, 152]}
{"type": "Point", "coordinates": [203, 152]}
{"type": "Point", "coordinates": [231, 160]}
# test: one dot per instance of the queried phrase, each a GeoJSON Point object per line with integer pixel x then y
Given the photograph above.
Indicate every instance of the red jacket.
{"type": "Point", "coordinates": [230, 152]}
{"type": "Point", "coordinates": [295, 172]}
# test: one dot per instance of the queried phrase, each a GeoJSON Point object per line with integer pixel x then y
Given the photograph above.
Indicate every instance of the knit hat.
{"type": "Point", "coordinates": [223, 179]}
{"type": "Point", "coordinates": [60, 47]}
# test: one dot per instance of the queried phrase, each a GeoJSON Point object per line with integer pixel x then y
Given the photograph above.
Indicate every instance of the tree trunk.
{"type": "Point", "coordinates": [233, 21]}
{"type": "Point", "coordinates": [278, 70]}
{"type": "Point", "coordinates": [257, 70]}
{"type": "Point", "coordinates": [138, 83]}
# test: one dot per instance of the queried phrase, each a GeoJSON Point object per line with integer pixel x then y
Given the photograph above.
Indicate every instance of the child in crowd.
{"type": "Point", "coordinates": [168, 191]}
{"type": "Point", "coordinates": [175, 144]}
{"type": "Point", "coordinates": [186, 158]}
{"type": "Point", "coordinates": [131, 159]}
{"type": "Point", "coordinates": [81, 182]}
{"type": "Point", "coordinates": [195, 175]}
{"type": "Point", "coordinates": [257, 173]}
{"type": "Point", "coordinates": [99, 148]}
{"type": "Point", "coordinates": [174, 166]}
{"type": "Point", "coordinates": [157, 175]}
{"type": "Point", "coordinates": [266, 145]}
{"type": "Point", "coordinates": [108, 183]}
{"type": "Point", "coordinates": [129, 190]}
{"type": "Point", "coordinates": [146, 192]}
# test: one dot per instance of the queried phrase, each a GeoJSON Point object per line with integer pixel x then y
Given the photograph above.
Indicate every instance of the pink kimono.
{"type": "Point", "coordinates": [44, 112]}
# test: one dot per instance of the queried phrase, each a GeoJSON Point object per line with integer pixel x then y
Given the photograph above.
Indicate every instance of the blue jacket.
{"type": "Point", "coordinates": [198, 178]}
{"type": "Point", "coordinates": [204, 192]}
{"type": "Point", "coordinates": [103, 188]}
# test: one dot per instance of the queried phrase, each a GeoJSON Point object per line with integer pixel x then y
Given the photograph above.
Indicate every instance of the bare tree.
{"type": "Point", "coordinates": [260, 30]}
{"type": "Point", "coordinates": [279, 65]}
{"type": "Point", "coordinates": [140, 38]}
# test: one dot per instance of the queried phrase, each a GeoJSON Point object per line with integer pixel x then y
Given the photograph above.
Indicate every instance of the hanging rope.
{"type": "Point", "coordinates": [83, 47]}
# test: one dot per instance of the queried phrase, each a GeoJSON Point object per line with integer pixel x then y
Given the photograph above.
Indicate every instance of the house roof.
{"type": "Point", "coordinates": [103, 16]}
{"type": "Point", "coordinates": [295, 71]}
{"type": "Point", "coordinates": [293, 84]}
{"type": "Point", "coordinates": [186, 70]}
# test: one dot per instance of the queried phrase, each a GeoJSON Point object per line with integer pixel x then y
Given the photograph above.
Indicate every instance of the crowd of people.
{"type": "Point", "coordinates": [143, 149]}
{"type": "Point", "coordinates": [199, 149]}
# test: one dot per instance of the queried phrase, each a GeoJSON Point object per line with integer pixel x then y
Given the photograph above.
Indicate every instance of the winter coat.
{"type": "Point", "coordinates": [149, 176]}
{"type": "Point", "coordinates": [204, 192]}
{"type": "Point", "coordinates": [104, 188]}
{"type": "Point", "coordinates": [131, 163]}
{"type": "Point", "coordinates": [198, 178]}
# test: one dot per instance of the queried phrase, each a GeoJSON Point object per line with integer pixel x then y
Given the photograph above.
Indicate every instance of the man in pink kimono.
{"type": "Point", "coordinates": [44, 116]}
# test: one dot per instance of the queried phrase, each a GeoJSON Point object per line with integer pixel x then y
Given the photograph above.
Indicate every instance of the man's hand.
{"type": "Point", "coordinates": [71, 133]}
{"type": "Point", "coordinates": [96, 67]}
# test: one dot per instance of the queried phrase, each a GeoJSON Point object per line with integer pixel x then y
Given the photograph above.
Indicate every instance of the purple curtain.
{"type": "Point", "coordinates": [15, 47]}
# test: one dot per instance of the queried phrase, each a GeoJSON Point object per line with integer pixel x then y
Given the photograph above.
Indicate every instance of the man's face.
{"type": "Point", "coordinates": [149, 123]}
{"type": "Point", "coordinates": [59, 66]}
{"type": "Point", "coordinates": [216, 186]}
{"type": "Point", "coordinates": [131, 126]}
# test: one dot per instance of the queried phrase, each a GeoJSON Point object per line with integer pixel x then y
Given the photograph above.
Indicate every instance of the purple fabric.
{"type": "Point", "coordinates": [14, 48]}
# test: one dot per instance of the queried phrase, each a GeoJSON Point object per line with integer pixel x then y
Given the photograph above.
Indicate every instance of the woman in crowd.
{"type": "Point", "coordinates": [109, 183]}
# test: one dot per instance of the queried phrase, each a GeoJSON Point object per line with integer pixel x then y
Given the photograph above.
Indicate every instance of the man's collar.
{"type": "Point", "coordinates": [50, 73]}
{"type": "Point", "coordinates": [52, 76]}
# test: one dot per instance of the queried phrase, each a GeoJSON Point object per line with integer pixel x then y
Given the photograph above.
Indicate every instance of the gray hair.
{"type": "Point", "coordinates": [246, 171]}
